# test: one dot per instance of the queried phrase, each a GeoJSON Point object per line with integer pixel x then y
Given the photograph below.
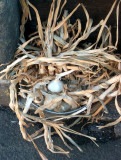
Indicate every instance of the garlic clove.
{"type": "Point", "coordinates": [65, 107]}
{"type": "Point", "coordinates": [55, 86]}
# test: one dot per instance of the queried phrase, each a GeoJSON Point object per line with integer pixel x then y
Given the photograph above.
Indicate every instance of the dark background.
{"type": "Point", "coordinates": [97, 9]}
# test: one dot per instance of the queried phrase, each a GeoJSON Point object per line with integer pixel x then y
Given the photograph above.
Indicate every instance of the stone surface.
{"type": "Point", "coordinates": [4, 93]}
{"type": "Point", "coordinates": [117, 130]}
{"type": "Point", "coordinates": [14, 147]}
{"type": "Point", "coordinates": [9, 29]}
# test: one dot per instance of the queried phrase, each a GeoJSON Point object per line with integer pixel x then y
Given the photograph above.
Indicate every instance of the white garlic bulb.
{"type": "Point", "coordinates": [55, 86]}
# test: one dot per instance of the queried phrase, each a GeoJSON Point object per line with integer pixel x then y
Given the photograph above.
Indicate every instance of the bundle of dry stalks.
{"type": "Point", "coordinates": [56, 74]}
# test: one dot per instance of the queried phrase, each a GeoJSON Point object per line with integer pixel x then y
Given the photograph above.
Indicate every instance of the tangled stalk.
{"type": "Point", "coordinates": [55, 72]}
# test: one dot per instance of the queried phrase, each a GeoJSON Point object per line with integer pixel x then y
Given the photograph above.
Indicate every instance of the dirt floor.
{"type": "Point", "coordinates": [14, 147]}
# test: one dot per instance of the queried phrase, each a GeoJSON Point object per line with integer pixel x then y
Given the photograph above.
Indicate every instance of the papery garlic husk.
{"type": "Point", "coordinates": [55, 86]}
{"type": "Point", "coordinates": [51, 70]}
{"type": "Point", "coordinates": [42, 69]}
{"type": "Point", "coordinates": [48, 100]}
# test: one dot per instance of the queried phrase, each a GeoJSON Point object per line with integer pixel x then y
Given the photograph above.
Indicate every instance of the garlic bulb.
{"type": "Point", "coordinates": [56, 86]}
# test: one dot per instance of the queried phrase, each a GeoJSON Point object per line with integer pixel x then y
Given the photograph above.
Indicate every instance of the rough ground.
{"type": "Point", "coordinates": [13, 147]}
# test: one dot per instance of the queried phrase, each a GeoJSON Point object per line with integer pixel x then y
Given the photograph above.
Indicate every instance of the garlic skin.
{"type": "Point", "coordinates": [55, 86]}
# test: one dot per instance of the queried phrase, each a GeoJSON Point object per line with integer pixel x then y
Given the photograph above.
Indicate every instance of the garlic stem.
{"type": "Point", "coordinates": [58, 76]}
